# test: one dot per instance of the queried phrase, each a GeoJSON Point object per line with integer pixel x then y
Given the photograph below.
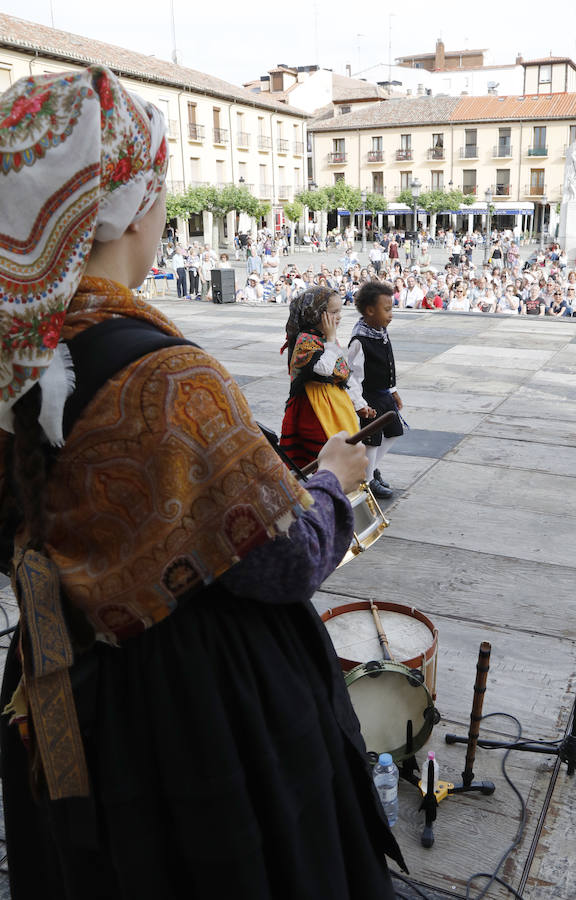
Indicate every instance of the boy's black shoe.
{"type": "Point", "coordinates": [379, 491]}
{"type": "Point", "coordinates": [378, 477]}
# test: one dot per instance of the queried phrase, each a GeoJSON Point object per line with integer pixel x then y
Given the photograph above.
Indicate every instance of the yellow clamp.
{"type": "Point", "coordinates": [442, 790]}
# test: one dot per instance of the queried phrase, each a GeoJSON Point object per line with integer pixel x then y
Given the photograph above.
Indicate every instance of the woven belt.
{"type": "Point", "coordinates": [47, 655]}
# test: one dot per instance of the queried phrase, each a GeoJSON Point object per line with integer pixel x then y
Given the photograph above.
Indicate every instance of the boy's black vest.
{"type": "Point", "coordinates": [379, 377]}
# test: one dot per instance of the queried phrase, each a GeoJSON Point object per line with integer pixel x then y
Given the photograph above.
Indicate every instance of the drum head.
{"type": "Point", "coordinates": [385, 701]}
{"type": "Point", "coordinates": [355, 637]}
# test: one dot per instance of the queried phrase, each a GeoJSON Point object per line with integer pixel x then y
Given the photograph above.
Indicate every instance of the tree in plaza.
{"type": "Point", "coordinates": [175, 207]}
{"type": "Point", "coordinates": [434, 202]}
{"type": "Point", "coordinates": [316, 201]}
{"type": "Point", "coordinates": [293, 212]}
{"type": "Point", "coordinates": [343, 196]}
{"type": "Point", "coordinates": [375, 203]}
{"type": "Point", "coordinates": [218, 201]}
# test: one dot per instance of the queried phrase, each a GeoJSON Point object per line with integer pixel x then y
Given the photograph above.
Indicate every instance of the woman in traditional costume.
{"type": "Point", "coordinates": [175, 721]}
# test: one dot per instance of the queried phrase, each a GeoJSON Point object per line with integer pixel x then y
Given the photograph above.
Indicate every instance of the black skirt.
{"type": "Point", "coordinates": [225, 760]}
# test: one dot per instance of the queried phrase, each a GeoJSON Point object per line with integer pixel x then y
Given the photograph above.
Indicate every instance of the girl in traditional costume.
{"type": "Point", "coordinates": [319, 404]}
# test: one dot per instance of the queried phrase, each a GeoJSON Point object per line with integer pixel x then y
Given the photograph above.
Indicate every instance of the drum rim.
{"type": "Point", "coordinates": [386, 606]}
{"type": "Point", "coordinates": [386, 665]}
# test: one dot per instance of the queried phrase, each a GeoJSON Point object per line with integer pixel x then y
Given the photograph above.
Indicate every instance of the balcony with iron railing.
{"type": "Point", "coordinates": [535, 190]}
{"type": "Point", "coordinates": [175, 187]}
{"type": "Point", "coordinates": [298, 148]}
{"type": "Point", "coordinates": [264, 142]}
{"type": "Point", "coordinates": [195, 132]}
{"type": "Point", "coordinates": [501, 190]}
{"type": "Point", "coordinates": [405, 153]}
{"type": "Point", "coordinates": [435, 187]}
{"type": "Point", "coordinates": [436, 153]}
{"type": "Point", "coordinates": [470, 151]}
{"type": "Point", "coordinates": [265, 191]}
{"type": "Point", "coordinates": [173, 129]}
{"type": "Point", "coordinates": [469, 190]}
{"type": "Point", "coordinates": [502, 151]}
{"type": "Point", "coordinates": [284, 192]}
{"type": "Point", "coordinates": [376, 156]}
{"type": "Point", "coordinates": [379, 191]}
{"type": "Point", "coordinates": [336, 158]}
{"type": "Point", "coordinates": [282, 145]}
{"type": "Point", "coordinates": [242, 139]}
{"type": "Point", "coordinates": [537, 151]}
{"type": "Point", "coordinates": [220, 135]}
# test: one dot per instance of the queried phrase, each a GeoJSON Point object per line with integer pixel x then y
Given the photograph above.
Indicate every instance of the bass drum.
{"type": "Point", "coordinates": [394, 708]}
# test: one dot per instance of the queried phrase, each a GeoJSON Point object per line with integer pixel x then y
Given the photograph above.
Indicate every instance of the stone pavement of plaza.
{"type": "Point", "coordinates": [481, 539]}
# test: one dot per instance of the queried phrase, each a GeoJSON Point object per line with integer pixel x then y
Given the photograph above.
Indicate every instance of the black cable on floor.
{"type": "Point", "coordinates": [493, 876]}
{"type": "Point", "coordinates": [520, 831]}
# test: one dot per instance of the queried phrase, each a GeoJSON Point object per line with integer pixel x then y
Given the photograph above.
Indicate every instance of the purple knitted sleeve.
{"type": "Point", "coordinates": [290, 569]}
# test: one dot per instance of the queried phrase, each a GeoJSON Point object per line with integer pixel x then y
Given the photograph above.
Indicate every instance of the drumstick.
{"type": "Point", "coordinates": [365, 432]}
{"type": "Point", "coordinates": [383, 640]}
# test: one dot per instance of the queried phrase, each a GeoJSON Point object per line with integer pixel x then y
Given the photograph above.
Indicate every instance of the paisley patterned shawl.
{"type": "Point", "coordinates": [164, 483]}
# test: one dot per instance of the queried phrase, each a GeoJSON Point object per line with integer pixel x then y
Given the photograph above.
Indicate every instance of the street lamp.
{"type": "Point", "coordinates": [364, 197]}
{"type": "Point", "coordinates": [415, 186]}
{"type": "Point", "coordinates": [544, 200]}
{"type": "Point", "coordinates": [488, 196]}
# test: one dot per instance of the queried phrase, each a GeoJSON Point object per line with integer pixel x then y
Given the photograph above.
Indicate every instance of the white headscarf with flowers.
{"type": "Point", "coordinates": [80, 159]}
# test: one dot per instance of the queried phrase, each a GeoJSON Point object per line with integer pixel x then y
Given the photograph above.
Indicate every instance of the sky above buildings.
{"type": "Point", "coordinates": [240, 41]}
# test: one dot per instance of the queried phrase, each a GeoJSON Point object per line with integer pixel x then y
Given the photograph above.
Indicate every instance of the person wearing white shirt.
{"type": "Point", "coordinates": [459, 301]}
{"type": "Point", "coordinates": [253, 292]}
{"type": "Point", "coordinates": [179, 266]}
{"type": "Point", "coordinates": [376, 256]}
{"type": "Point", "coordinates": [412, 295]}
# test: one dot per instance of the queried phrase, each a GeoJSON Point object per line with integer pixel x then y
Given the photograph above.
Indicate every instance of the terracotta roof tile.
{"type": "Point", "coordinates": [20, 34]}
{"type": "Point", "coordinates": [529, 106]}
{"type": "Point", "coordinates": [432, 110]}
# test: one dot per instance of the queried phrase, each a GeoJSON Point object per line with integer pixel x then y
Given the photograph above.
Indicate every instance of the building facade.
{"type": "Point", "coordinates": [513, 146]}
{"type": "Point", "coordinates": [218, 133]}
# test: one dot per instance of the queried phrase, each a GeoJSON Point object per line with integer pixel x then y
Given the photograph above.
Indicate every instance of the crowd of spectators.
{"type": "Point", "coordinates": [542, 286]}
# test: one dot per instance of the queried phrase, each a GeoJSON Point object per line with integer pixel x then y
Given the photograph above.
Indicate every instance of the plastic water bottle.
{"type": "Point", "coordinates": [386, 781]}
{"type": "Point", "coordinates": [430, 758]}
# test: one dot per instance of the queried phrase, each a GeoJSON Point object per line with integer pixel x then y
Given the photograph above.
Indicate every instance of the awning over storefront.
{"type": "Point", "coordinates": [511, 208]}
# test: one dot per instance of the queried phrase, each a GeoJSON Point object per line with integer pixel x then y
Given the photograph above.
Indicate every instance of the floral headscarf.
{"type": "Point", "coordinates": [80, 159]}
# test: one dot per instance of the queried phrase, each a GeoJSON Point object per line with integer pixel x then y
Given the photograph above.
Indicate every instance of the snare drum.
{"type": "Point", "coordinates": [412, 637]}
{"type": "Point", "coordinates": [369, 521]}
{"type": "Point", "coordinates": [393, 699]}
